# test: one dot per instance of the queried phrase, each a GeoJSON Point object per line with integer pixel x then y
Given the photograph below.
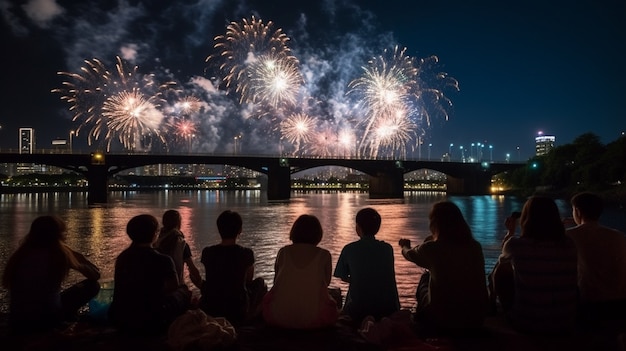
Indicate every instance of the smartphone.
{"type": "Point", "coordinates": [516, 214]}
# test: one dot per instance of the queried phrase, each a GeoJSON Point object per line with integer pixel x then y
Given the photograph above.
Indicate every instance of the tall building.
{"type": "Point", "coordinates": [27, 146]}
{"type": "Point", "coordinates": [543, 144]}
{"type": "Point", "coordinates": [27, 140]}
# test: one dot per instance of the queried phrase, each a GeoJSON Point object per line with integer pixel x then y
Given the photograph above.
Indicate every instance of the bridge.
{"type": "Point", "coordinates": [386, 175]}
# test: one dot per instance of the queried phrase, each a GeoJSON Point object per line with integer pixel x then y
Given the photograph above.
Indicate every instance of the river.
{"type": "Point", "coordinates": [99, 231]}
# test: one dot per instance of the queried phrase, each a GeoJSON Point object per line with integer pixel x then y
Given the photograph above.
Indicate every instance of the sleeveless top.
{"type": "Point", "coordinates": [299, 298]}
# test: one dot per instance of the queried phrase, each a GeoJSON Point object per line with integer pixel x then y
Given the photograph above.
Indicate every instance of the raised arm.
{"type": "Point", "coordinates": [511, 225]}
{"type": "Point", "coordinates": [417, 254]}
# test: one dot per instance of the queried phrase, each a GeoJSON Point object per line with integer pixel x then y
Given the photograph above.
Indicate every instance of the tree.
{"type": "Point", "coordinates": [585, 164]}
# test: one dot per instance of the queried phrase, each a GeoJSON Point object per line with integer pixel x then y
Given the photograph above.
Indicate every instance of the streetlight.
{"type": "Point", "coordinates": [450, 152]}
{"type": "Point", "coordinates": [472, 152]}
{"type": "Point", "coordinates": [429, 146]}
{"type": "Point", "coordinates": [419, 147]}
{"type": "Point", "coordinates": [72, 133]}
{"type": "Point", "coordinates": [508, 157]}
{"type": "Point", "coordinates": [518, 158]}
{"type": "Point", "coordinates": [190, 138]}
{"type": "Point", "coordinates": [491, 153]}
{"type": "Point", "coordinates": [462, 153]}
{"type": "Point", "coordinates": [238, 137]}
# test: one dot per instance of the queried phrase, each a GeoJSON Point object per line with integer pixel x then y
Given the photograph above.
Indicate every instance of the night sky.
{"type": "Point", "coordinates": [522, 67]}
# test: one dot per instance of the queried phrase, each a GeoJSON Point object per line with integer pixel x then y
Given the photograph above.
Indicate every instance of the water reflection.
{"type": "Point", "coordinates": [99, 231]}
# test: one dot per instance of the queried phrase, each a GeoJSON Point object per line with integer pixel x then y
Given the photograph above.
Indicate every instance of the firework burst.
{"type": "Point", "coordinates": [122, 105]}
{"type": "Point", "coordinates": [386, 88]}
{"type": "Point", "coordinates": [129, 115]}
{"type": "Point", "coordinates": [257, 63]}
{"type": "Point", "coordinates": [187, 105]}
{"type": "Point", "coordinates": [324, 143]}
{"type": "Point", "coordinates": [391, 136]}
{"type": "Point", "coordinates": [182, 131]}
{"type": "Point", "coordinates": [297, 129]}
{"type": "Point", "coordinates": [274, 82]}
{"type": "Point", "coordinates": [347, 142]}
{"type": "Point", "coordinates": [397, 89]}
{"type": "Point", "coordinates": [430, 96]}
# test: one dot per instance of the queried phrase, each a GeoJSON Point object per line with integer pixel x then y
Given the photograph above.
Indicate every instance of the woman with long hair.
{"type": "Point", "coordinates": [35, 272]}
{"type": "Point", "coordinates": [535, 278]}
{"type": "Point", "coordinates": [452, 291]}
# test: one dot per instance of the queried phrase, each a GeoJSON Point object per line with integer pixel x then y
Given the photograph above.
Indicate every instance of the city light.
{"type": "Point", "coordinates": [72, 133]}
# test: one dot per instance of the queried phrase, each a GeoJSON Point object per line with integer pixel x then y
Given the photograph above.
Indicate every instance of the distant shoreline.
{"type": "Point", "coordinates": [614, 197]}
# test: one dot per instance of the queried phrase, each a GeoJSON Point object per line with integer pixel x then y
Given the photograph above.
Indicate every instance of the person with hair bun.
{"type": "Point", "coordinates": [147, 296]}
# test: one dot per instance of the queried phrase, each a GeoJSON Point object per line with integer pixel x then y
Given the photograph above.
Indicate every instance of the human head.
{"type": "Point", "coordinates": [229, 224]}
{"type": "Point", "coordinates": [447, 222]}
{"type": "Point", "coordinates": [142, 229]}
{"type": "Point", "coordinates": [45, 231]}
{"type": "Point", "coordinates": [541, 219]}
{"type": "Point", "coordinates": [586, 206]}
{"type": "Point", "coordinates": [368, 220]}
{"type": "Point", "coordinates": [171, 219]}
{"type": "Point", "coordinates": [306, 230]}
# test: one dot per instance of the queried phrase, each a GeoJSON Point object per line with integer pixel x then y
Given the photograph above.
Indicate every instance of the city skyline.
{"type": "Point", "coordinates": [555, 68]}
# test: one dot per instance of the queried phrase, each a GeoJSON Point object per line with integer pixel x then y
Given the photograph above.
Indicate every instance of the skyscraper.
{"type": "Point", "coordinates": [27, 140]}
{"type": "Point", "coordinates": [543, 144]}
{"type": "Point", "coordinates": [27, 146]}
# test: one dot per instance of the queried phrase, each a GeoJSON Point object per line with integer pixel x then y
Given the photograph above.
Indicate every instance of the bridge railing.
{"type": "Point", "coordinates": [62, 151]}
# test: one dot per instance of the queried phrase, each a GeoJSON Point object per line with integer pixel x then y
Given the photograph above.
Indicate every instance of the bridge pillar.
{"type": "Point", "coordinates": [477, 183]}
{"type": "Point", "coordinates": [387, 184]}
{"type": "Point", "coordinates": [97, 184]}
{"type": "Point", "coordinates": [279, 181]}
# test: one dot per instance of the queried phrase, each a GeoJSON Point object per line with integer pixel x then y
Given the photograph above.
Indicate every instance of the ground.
{"type": "Point", "coordinates": [496, 335]}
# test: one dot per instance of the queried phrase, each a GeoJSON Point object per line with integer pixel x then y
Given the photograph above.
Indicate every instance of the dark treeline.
{"type": "Point", "coordinates": [584, 165]}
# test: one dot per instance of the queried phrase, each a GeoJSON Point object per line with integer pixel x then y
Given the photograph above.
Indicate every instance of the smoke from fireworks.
{"type": "Point", "coordinates": [397, 97]}
{"type": "Point", "coordinates": [122, 105]}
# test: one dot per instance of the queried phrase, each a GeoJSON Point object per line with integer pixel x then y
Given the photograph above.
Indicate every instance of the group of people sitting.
{"type": "Point", "coordinates": [545, 279]}
{"type": "Point", "coordinates": [550, 278]}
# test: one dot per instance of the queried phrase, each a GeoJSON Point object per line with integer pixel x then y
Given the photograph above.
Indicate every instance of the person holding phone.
{"type": "Point", "coordinates": [451, 294]}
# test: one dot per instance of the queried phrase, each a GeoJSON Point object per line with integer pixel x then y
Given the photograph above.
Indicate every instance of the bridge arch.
{"type": "Point", "coordinates": [386, 176]}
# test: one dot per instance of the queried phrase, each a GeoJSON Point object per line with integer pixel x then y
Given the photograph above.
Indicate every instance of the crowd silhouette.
{"type": "Point", "coordinates": [549, 279]}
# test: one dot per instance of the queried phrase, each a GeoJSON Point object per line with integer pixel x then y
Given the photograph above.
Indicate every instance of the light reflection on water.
{"type": "Point", "coordinates": [99, 232]}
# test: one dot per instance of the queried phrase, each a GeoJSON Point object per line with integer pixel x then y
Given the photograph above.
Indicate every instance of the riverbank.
{"type": "Point", "coordinates": [615, 196]}
{"type": "Point", "coordinates": [495, 336]}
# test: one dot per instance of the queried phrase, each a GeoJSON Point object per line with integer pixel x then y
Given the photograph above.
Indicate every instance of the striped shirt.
{"type": "Point", "coordinates": [546, 292]}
